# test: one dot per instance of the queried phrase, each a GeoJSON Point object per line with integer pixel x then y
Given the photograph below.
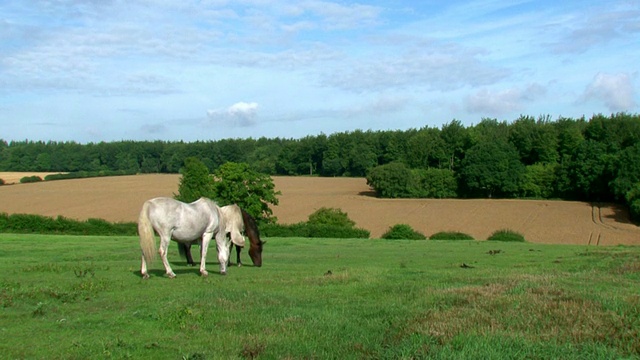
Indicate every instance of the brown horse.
{"type": "Point", "coordinates": [236, 221]}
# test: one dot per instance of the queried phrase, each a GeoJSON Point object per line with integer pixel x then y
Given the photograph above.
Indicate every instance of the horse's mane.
{"type": "Point", "coordinates": [250, 224]}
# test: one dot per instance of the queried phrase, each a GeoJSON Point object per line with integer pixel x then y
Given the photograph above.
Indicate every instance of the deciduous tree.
{"type": "Point", "coordinates": [237, 183]}
{"type": "Point", "coordinates": [195, 181]}
{"type": "Point", "coordinates": [492, 169]}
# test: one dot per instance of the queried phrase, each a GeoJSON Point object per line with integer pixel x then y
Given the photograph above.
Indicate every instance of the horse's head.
{"type": "Point", "coordinates": [252, 232]}
{"type": "Point", "coordinates": [255, 252]}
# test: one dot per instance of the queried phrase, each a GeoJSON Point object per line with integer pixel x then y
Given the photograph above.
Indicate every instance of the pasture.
{"type": "Point", "coordinates": [77, 297]}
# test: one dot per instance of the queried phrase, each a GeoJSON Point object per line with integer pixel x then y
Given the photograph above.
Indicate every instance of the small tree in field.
{"type": "Point", "coordinates": [236, 183]}
{"type": "Point", "coordinates": [393, 180]}
{"type": "Point", "coordinates": [195, 181]}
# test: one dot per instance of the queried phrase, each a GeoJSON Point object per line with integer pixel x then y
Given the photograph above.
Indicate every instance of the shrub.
{"type": "Point", "coordinates": [393, 180]}
{"type": "Point", "coordinates": [451, 235]}
{"type": "Point", "coordinates": [332, 217]}
{"type": "Point", "coordinates": [2, 182]}
{"type": "Point", "coordinates": [304, 229]}
{"type": "Point", "coordinates": [324, 223]}
{"type": "Point", "coordinates": [506, 235]}
{"type": "Point", "coordinates": [30, 179]}
{"type": "Point", "coordinates": [403, 231]}
{"type": "Point", "coordinates": [336, 232]}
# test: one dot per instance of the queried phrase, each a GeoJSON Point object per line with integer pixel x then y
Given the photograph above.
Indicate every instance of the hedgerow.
{"type": "Point", "coordinates": [304, 229]}
{"type": "Point", "coordinates": [38, 224]}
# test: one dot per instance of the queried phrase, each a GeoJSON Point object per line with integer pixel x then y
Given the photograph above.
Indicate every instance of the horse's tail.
{"type": "Point", "coordinates": [145, 231]}
{"type": "Point", "coordinates": [222, 221]}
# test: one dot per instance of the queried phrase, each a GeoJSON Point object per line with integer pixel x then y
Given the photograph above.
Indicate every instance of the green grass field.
{"type": "Point", "coordinates": [77, 297]}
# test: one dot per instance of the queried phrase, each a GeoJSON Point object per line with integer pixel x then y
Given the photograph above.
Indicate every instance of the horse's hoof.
{"type": "Point", "coordinates": [223, 273]}
{"type": "Point", "coordinates": [239, 265]}
{"type": "Point", "coordinates": [204, 273]}
{"type": "Point", "coordinates": [145, 276]}
{"type": "Point", "coordinates": [171, 276]}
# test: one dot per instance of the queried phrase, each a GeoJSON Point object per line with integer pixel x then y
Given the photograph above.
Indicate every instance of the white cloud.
{"type": "Point", "coordinates": [614, 90]}
{"type": "Point", "coordinates": [442, 67]}
{"type": "Point", "coordinates": [239, 114]}
{"type": "Point", "coordinates": [332, 15]}
{"type": "Point", "coordinates": [488, 102]}
{"type": "Point", "coordinates": [146, 66]}
{"type": "Point", "coordinates": [600, 26]}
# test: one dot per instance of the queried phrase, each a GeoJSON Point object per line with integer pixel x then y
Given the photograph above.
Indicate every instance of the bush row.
{"type": "Point", "coordinates": [38, 224]}
{"type": "Point", "coordinates": [87, 174]}
{"type": "Point", "coordinates": [405, 232]}
{"type": "Point", "coordinates": [309, 230]}
{"type": "Point", "coordinates": [72, 175]}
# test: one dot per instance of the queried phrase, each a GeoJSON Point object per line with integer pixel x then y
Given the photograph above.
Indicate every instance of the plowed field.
{"type": "Point", "coordinates": [120, 198]}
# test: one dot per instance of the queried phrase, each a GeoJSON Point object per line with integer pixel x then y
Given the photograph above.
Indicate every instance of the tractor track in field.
{"type": "Point", "coordinates": [596, 217]}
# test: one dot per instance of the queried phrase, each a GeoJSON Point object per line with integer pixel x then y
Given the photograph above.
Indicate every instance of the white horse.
{"type": "Point", "coordinates": [184, 223]}
{"type": "Point", "coordinates": [237, 221]}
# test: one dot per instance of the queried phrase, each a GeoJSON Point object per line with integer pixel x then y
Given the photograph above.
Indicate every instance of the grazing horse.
{"type": "Point", "coordinates": [236, 221]}
{"type": "Point", "coordinates": [184, 223]}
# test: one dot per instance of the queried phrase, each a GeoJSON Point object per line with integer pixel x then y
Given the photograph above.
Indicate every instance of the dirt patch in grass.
{"type": "Point", "coordinates": [120, 198]}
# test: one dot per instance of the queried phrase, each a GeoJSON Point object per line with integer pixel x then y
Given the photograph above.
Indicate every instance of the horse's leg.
{"type": "Point", "coordinates": [223, 251]}
{"type": "Point", "coordinates": [187, 252]}
{"type": "Point", "coordinates": [143, 269]}
{"type": "Point", "coordinates": [206, 238]}
{"type": "Point", "coordinates": [164, 247]}
{"type": "Point", "coordinates": [238, 250]}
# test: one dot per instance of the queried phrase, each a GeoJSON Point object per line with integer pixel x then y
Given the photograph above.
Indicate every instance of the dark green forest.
{"type": "Point", "coordinates": [596, 159]}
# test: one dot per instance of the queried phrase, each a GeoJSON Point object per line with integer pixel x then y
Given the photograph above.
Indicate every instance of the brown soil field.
{"type": "Point", "coordinates": [120, 198]}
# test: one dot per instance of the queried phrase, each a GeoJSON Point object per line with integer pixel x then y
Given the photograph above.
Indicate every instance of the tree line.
{"type": "Point", "coordinates": [595, 159]}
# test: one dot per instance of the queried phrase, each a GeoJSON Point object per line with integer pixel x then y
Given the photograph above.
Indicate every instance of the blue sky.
{"type": "Point", "coordinates": [110, 70]}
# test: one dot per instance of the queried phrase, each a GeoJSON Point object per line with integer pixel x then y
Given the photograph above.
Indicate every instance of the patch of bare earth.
{"type": "Point", "coordinates": [120, 199]}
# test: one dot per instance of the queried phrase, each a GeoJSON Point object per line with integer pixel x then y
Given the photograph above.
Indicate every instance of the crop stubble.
{"type": "Point", "coordinates": [120, 199]}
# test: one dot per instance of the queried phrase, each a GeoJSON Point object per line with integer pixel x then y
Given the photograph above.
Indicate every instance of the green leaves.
{"type": "Point", "coordinates": [195, 181]}
{"type": "Point", "coordinates": [237, 183]}
{"type": "Point", "coordinates": [391, 180]}
{"type": "Point", "coordinates": [231, 183]}
{"type": "Point", "coordinates": [404, 232]}
{"type": "Point", "coordinates": [331, 216]}
{"type": "Point", "coordinates": [492, 169]}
